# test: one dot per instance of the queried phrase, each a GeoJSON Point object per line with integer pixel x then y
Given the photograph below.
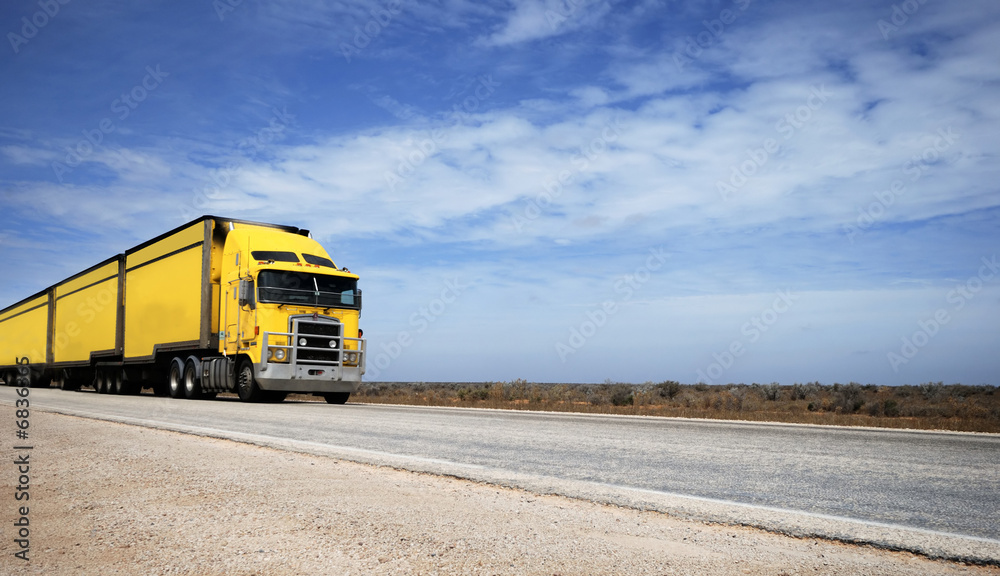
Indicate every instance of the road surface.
{"type": "Point", "coordinates": [934, 493]}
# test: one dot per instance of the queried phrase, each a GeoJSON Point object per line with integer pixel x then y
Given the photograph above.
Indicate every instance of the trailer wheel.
{"type": "Point", "coordinates": [35, 379]}
{"type": "Point", "coordinates": [116, 382]}
{"type": "Point", "coordinates": [336, 397]}
{"type": "Point", "coordinates": [101, 382]}
{"type": "Point", "coordinates": [192, 384]}
{"type": "Point", "coordinates": [246, 384]}
{"type": "Point", "coordinates": [175, 378]}
{"type": "Point", "coordinates": [68, 380]}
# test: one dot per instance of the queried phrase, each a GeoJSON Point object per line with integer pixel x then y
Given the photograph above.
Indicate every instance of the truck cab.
{"type": "Point", "coordinates": [288, 316]}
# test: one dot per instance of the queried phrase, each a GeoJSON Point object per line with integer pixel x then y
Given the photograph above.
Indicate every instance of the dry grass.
{"type": "Point", "coordinates": [930, 406]}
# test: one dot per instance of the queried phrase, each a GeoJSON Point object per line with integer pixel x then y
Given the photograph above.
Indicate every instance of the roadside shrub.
{"type": "Point", "coordinates": [668, 389]}
{"type": "Point", "coordinates": [614, 394]}
{"type": "Point", "coordinates": [931, 390]}
{"type": "Point", "coordinates": [772, 391]}
{"type": "Point", "coordinates": [622, 395]}
{"type": "Point", "coordinates": [797, 392]}
{"type": "Point", "coordinates": [849, 398]}
{"type": "Point", "coordinates": [890, 408]}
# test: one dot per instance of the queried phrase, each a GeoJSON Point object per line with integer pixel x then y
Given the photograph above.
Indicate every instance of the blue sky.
{"type": "Point", "coordinates": [556, 190]}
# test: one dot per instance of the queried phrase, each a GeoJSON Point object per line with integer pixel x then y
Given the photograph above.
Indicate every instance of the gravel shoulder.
{"type": "Point", "coordinates": [109, 498]}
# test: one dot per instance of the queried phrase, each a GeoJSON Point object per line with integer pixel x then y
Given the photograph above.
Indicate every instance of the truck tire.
{"type": "Point", "coordinates": [116, 381]}
{"type": "Point", "coordinates": [246, 384]}
{"type": "Point", "coordinates": [175, 378]}
{"type": "Point", "coordinates": [336, 397]}
{"type": "Point", "coordinates": [68, 379]}
{"type": "Point", "coordinates": [101, 382]}
{"type": "Point", "coordinates": [35, 379]}
{"type": "Point", "coordinates": [192, 380]}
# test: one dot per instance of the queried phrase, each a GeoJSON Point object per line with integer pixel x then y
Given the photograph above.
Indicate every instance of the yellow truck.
{"type": "Point", "coordinates": [215, 305]}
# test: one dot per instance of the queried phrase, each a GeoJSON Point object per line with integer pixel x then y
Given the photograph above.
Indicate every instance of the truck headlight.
{"type": "Point", "coordinates": [303, 341]}
{"type": "Point", "coordinates": [333, 343]}
{"type": "Point", "coordinates": [279, 354]}
{"type": "Point", "coordinates": [352, 357]}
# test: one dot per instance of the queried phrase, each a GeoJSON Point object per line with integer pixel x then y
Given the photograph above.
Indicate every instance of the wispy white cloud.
{"type": "Point", "coordinates": [27, 155]}
{"type": "Point", "coordinates": [532, 20]}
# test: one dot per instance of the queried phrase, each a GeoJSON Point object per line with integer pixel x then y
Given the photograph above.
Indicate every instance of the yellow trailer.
{"type": "Point", "coordinates": [24, 329]}
{"type": "Point", "coordinates": [215, 305]}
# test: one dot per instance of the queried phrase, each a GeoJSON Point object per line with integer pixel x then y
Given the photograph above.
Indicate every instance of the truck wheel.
{"type": "Point", "coordinates": [35, 379]}
{"type": "Point", "coordinates": [246, 384]}
{"type": "Point", "coordinates": [192, 384]}
{"type": "Point", "coordinates": [116, 381]}
{"type": "Point", "coordinates": [69, 380]}
{"type": "Point", "coordinates": [336, 397]}
{"type": "Point", "coordinates": [102, 382]}
{"type": "Point", "coordinates": [175, 378]}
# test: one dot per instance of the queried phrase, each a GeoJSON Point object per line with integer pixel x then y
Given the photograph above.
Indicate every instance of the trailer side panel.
{"type": "Point", "coordinates": [24, 331]}
{"type": "Point", "coordinates": [86, 316]}
{"type": "Point", "coordinates": [163, 293]}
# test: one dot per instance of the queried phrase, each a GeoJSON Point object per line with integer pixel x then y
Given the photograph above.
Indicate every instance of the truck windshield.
{"type": "Point", "coordinates": [279, 287]}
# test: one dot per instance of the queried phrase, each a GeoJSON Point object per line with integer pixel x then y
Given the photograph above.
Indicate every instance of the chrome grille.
{"type": "Point", "coordinates": [318, 336]}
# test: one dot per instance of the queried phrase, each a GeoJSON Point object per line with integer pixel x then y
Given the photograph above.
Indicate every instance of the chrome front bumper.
{"type": "Point", "coordinates": [297, 375]}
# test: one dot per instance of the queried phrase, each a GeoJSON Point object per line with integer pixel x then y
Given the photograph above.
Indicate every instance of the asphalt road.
{"type": "Point", "coordinates": [851, 484]}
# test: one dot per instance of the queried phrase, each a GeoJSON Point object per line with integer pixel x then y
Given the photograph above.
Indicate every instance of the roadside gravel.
{"type": "Point", "coordinates": [109, 498]}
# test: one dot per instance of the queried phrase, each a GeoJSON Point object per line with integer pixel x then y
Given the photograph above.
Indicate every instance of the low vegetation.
{"type": "Point", "coordinates": [933, 405]}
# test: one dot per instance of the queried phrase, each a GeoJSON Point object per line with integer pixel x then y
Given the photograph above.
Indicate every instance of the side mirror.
{"type": "Point", "coordinates": [247, 294]}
